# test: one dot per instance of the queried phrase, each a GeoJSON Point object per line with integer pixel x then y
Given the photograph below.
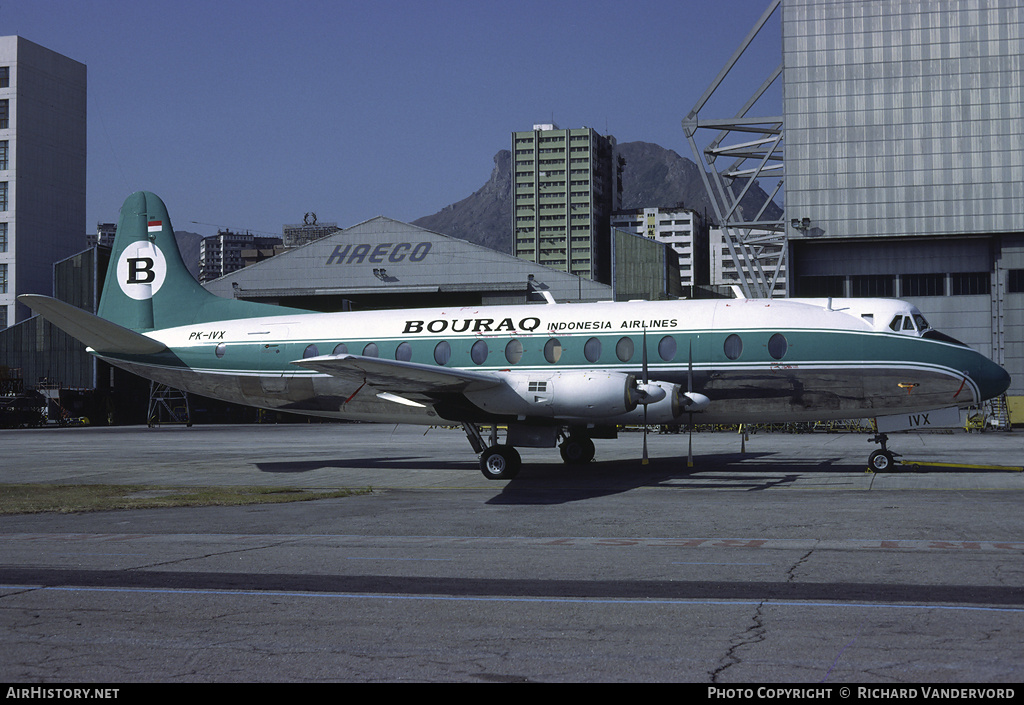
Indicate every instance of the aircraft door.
{"type": "Point", "coordinates": [272, 363]}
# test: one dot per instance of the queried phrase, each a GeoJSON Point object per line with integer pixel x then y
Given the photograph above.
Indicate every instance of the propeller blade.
{"type": "Point", "coordinates": [689, 370]}
{"type": "Point", "coordinates": [689, 388]}
{"type": "Point", "coordinates": [644, 358]}
{"type": "Point", "coordinates": [645, 459]}
{"type": "Point", "coordinates": [689, 453]}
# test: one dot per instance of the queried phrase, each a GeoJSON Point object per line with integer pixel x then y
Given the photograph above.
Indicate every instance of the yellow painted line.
{"type": "Point", "coordinates": [918, 463]}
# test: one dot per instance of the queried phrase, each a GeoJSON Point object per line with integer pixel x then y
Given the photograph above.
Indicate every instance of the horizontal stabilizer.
{"type": "Point", "coordinates": [97, 333]}
{"type": "Point", "coordinates": [398, 375]}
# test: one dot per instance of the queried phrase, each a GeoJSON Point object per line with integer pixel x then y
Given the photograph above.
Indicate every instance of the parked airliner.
{"type": "Point", "coordinates": [550, 373]}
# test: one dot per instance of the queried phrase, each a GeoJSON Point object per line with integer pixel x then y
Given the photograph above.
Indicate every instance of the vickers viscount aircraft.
{"type": "Point", "coordinates": [551, 374]}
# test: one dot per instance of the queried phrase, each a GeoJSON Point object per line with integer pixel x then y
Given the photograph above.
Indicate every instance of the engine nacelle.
{"type": "Point", "coordinates": [573, 394]}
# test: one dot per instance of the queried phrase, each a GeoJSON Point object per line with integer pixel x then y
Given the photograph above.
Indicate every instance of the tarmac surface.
{"type": "Point", "coordinates": [774, 559]}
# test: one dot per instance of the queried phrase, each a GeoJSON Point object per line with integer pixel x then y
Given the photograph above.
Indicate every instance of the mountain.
{"type": "Point", "coordinates": [485, 217]}
{"type": "Point", "coordinates": [653, 177]}
{"type": "Point", "coordinates": [188, 244]}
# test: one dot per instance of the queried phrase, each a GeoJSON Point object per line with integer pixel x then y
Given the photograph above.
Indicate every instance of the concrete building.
{"type": "Point", "coordinates": [223, 253]}
{"type": "Point", "coordinates": [565, 186]}
{"type": "Point", "coordinates": [644, 268]}
{"type": "Point", "coordinates": [384, 263]}
{"type": "Point", "coordinates": [904, 132]}
{"type": "Point", "coordinates": [105, 233]}
{"type": "Point", "coordinates": [42, 168]}
{"type": "Point", "coordinates": [682, 229]}
{"type": "Point", "coordinates": [724, 271]}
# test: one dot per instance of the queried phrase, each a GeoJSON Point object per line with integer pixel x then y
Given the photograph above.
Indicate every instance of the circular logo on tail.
{"type": "Point", "coordinates": [141, 270]}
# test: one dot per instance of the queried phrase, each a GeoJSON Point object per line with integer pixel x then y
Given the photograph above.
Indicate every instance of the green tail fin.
{"type": "Point", "coordinates": [148, 285]}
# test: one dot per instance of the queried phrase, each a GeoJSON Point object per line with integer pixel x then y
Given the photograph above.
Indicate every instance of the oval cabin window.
{"type": "Point", "coordinates": [733, 347]}
{"type": "Point", "coordinates": [777, 346]}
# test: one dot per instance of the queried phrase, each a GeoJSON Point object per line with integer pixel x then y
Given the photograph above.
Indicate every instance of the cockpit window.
{"type": "Point", "coordinates": [922, 324]}
{"type": "Point", "coordinates": [936, 335]}
{"type": "Point", "coordinates": [896, 323]}
{"type": "Point", "coordinates": [908, 323]}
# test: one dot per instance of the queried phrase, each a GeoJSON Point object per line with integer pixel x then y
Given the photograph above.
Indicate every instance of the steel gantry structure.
{"type": "Point", "coordinates": [756, 244]}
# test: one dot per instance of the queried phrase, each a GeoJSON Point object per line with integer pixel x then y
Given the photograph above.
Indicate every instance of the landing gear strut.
{"type": "Point", "coordinates": [883, 459]}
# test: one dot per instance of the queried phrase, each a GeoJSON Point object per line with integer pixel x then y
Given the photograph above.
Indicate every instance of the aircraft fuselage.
{"type": "Point", "coordinates": [757, 360]}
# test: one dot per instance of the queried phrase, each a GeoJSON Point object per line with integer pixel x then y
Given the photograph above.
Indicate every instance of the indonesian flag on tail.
{"type": "Point", "coordinates": [156, 226]}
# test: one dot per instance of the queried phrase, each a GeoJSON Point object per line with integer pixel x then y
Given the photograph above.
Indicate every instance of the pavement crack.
{"type": "Point", "coordinates": [189, 559]}
{"type": "Point", "coordinates": [754, 634]}
{"type": "Point", "coordinates": [791, 573]}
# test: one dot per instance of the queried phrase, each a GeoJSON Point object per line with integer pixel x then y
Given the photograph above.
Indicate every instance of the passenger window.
{"type": "Point", "coordinates": [442, 353]}
{"type": "Point", "coordinates": [479, 352]}
{"type": "Point", "coordinates": [514, 351]}
{"type": "Point", "coordinates": [340, 349]}
{"type": "Point", "coordinates": [310, 351]}
{"type": "Point", "coordinates": [733, 347]}
{"type": "Point", "coordinates": [592, 349]}
{"type": "Point", "coordinates": [667, 348]}
{"type": "Point", "coordinates": [403, 352]}
{"type": "Point", "coordinates": [220, 350]}
{"type": "Point", "coordinates": [371, 350]}
{"type": "Point", "coordinates": [624, 349]}
{"type": "Point", "coordinates": [553, 350]}
{"type": "Point", "coordinates": [777, 346]}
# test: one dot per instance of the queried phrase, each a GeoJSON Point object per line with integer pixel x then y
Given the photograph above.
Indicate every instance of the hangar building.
{"type": "Point", "coordinates": [384, 263]}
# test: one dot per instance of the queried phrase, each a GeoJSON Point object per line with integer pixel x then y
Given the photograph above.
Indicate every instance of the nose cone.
{"type": "Point", "coordinates": [992, 380]}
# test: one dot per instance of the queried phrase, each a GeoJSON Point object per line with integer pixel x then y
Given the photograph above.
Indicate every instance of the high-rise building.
{"type": "Point", "coordinates": [42, 168]}
{"type": "Point", "coordinates": [566, 185]}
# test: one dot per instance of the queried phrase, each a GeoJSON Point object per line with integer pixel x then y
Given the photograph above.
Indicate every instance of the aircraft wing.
{"type": "Point", "coordinates": [97, 333]}
{"type": "Point", "coordinates": [409, 377]}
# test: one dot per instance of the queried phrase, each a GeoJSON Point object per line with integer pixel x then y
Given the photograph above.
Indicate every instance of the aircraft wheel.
{"type": "Point", "coordinates": [881, 461]}
{"type": "Point", "coordinates": [500, 462]}
{"type": "Point", "coordinates": [577, 450]}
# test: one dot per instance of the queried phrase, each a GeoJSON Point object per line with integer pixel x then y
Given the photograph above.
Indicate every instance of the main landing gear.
{"type": "Point", "coordinates": [501, 461]}
{"type": "Point", "coordinates": [577, 449]}
{"type": "Point", "coordinates": [883, 459]}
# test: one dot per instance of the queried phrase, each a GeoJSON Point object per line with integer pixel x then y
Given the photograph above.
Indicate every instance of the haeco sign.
{"type": "Point", "coordinates": [379, 254]}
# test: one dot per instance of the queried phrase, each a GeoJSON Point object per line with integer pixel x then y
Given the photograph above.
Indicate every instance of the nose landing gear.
{"type": "Point", "coordinates": [883, 459]}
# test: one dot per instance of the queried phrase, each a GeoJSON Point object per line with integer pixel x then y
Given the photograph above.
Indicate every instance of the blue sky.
{"type": "Point", "coordinates": [247, 114]}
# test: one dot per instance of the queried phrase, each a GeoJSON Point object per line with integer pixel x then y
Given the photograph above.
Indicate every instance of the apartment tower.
{"type": "Point", "coordinates": [566, 185]}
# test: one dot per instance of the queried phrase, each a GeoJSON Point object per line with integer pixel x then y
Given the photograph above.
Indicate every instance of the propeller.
{"type": "Point", "coordinates": [644, 358]}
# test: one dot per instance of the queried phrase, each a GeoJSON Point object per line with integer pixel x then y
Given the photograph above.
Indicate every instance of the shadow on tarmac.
{"type": "Point", "coordinates": [557, 483]}
{"type": "Point", "coordinates": [552, 483]}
